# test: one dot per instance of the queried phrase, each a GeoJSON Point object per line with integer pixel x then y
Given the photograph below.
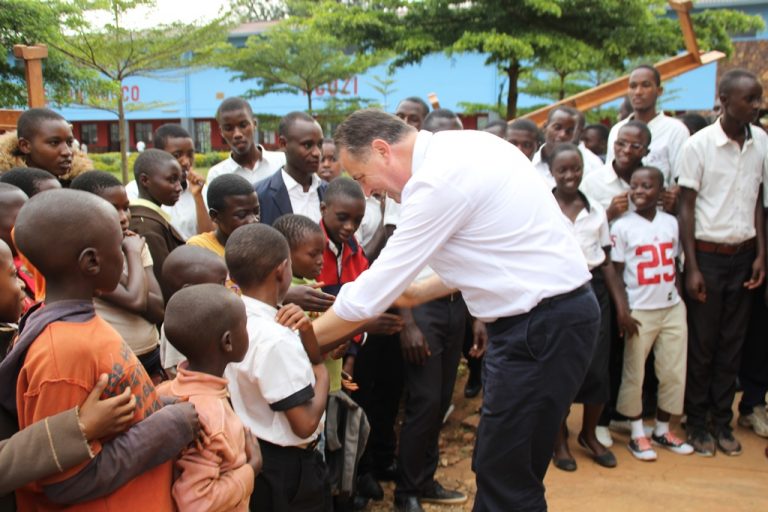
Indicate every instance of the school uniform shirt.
{"type": "Point", "coordinates": [473, 217]}
{"type": "Point", "coordinates": [373, 218]}
{"type": "Point", "coordinates": [207, 241]}
{"type": "Point", "coordinates": [727, 180]}
{"type": "Point", "coordinates": [591, 231]}
{"type": "Point", "coordinates": [59, 371]}
{"type": "Point", "coordinates": [303, 203]}
{"type": "Point", "coordinates": [269, 164]}
{"type": "Point", "coordinates": [183, 213]}
{"type": "Point", "coordinates": [542, 166]}
{"type": "Point", "coordinates": [274, 376]}
{"type": "Point", "coordinates": [604, 184]}
{"type": "Point", "coordinates": [648, 250]}
{"type": "Point", "coordinates": [668, 135]}
{"type": "Point", "coordinates": [139, 333]}
{"type": "Point", "coordinates": [592, 160]}
{"type": "Point", "coordinates": [213, 475]}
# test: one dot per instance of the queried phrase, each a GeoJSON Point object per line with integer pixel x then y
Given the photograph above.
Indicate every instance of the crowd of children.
{"type": "Point", "coordinates": [156, 339]}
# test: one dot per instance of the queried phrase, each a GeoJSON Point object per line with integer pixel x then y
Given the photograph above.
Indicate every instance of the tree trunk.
{"type": "Point", "coordinates": [513, 73]}
{"type": "Point", "coordinates": [309, 101]}
{"type": "Point", "coordinates": [561, 92]}
{"type": "Point", "coordinates": [123, 136]}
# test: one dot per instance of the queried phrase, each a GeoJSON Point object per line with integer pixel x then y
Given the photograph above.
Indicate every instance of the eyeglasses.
{"type": "Point", "coordinates": [633, 146]}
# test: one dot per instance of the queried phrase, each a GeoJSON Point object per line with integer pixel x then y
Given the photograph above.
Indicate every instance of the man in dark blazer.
{"type": "Point", "coordinates": [295, 188]}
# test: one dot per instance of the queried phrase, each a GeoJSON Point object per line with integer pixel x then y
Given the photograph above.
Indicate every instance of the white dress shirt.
{"type": "Point", "coordinates": [667, 138]}
{"type": "Point", "coordinates": [542, 166]}
{"type": "Point", "coordinates": [183, 213]}
{"type": "Point", "coordinates": [303, 203]}
{"type": "Point", "coordinates": [603, 185]}
{"type": "Point", "coordinates": [727, 179]}
{"type": "Point", "coordinates": [274, 376]}
{"type": "Point", "coordinates": [269, 164]}
{"type": "Point", "coordinates": [484, 221]}
{"type": "Point", "coordinates": [592, 161]}
{"type": "Point", "coordinates": [648, 250]}
{"type": "Point", "coordinates": [591, 230]}
{"type": "Point", "coordinates": [372, 221]}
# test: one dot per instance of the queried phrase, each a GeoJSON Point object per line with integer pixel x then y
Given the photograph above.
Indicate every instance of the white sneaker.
{"type": "Point", "coordinates": [603, 435]}
{"type": "Point", "coordinates": [757, 420]}
{"type": "Point", "coordinates": [672, 443]}
{"type": "Point", "coordinates": [641, 449]}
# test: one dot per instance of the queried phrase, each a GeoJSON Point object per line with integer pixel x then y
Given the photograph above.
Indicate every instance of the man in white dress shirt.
{"type": "Point", "coordinates": [248, 159]}
{"type": "Point", "coordinates": [668, 134]}
{"type": "Point", "coordinates": [489, 227]}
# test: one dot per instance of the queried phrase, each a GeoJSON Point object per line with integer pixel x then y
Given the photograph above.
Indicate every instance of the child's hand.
{"type": "Point", "coordinates": [293, 317]}
{"type": "Point", "coordinates": [108, 417]}
{"type": "Point", "coordinates": [627, 323]}
{"type": "Point", "coordinates": [618, 207]}
{"type": "Point", "coordinates": [479, 339]}
{"type": "Point", "coordinates": [195, 183]}
{"type": "Point", "coordinates": [339, 351]}
{"type": "Point", "coordinates": [349, 366]}
{"type": "Point", "coordinates": [252, 452]}
{"type": "Point", "coordinates": [133, 243]}
{"type": "Point", "coordinates": [385, 323]}
{"type": "Point", "coordinates": [347, 383]}
{"type": "Point", "coordinates": [309, 298]}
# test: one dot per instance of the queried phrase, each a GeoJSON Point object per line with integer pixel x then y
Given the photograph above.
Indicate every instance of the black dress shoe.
{"type": "Point", "coordinates": [388, 474]}
{"type": "Point", "coordinates": [368, 487]}
{"type": "Point", "coordinates": [564, 464]}
{"type": "Point", "coordinates": [409, 504]}
{"type": "Point", "coordinates": [442, 496]}
{"type": "Point", "coordinates": [607, 459]}
{"type": "Point", "coordinates": [472, 388]}
{"type": "Point", "coordinates": [359, 503]}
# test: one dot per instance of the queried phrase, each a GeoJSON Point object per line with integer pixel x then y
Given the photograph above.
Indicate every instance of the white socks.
{"type": "Point", "coordinates": [662, 427]}
{"type": "Point", "coordinates": [637, 429]}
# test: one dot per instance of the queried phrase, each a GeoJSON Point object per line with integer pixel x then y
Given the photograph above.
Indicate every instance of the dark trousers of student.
{"type": "Point", "coordinates": [428, 392]}
{"type": "Point", "coordinates": [291, 480]}
{"type": "Point", "coordinates": [534, 366]}
{"type": "Point", "coordinates": [754, 357]}
{"type": "Point", "coordinates": [379, 373]}
{"type": "Point", "coordinates": [716, 334]}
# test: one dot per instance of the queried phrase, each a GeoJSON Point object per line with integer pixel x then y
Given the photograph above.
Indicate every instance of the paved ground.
{"type": "Point", "coordinates": [673, 483]}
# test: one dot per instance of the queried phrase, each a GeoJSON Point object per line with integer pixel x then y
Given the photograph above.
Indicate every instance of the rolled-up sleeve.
{"type": "Point", "coordinates": [432, 212]}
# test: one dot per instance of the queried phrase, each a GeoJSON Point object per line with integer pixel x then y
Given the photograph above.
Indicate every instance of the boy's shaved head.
{"type": "Point", "coordinates": [168, 131]}
{"type": "Point", "coordinates": [524, 125]}
{"type": "Point", "coordinates": [29, 120]}
{"type": "Point", "coordinates": [642, 127]}
{"type": "Point", "coordinates": [196, 318]}
{"type": "Point", "coordinates": [53, 229]}
{"type": "Point", "coordinates": [344, 187]}
{"type": "Point", "coordinates": [95, 182]}
{"type": "Point", "coordinates": [150, 161]}
{"type": "Point", "coordinates": [28, 179]}
{"type": "Point", "coordinates": [231, 104]}
{"type": "Point", "coordinates": [295, 228]}
{"type": "Point", "coordinates": [253, 251]}
{"type": "Point", "coordinates": [11, 193]}
{"type": "Point", "coordinates": [290, 119]}
{"type": "Point", "coordinates": [658, 176]}
{"type": "Point", "coordinates": [225, 186]}
{"type": "Point", "coordinates": [188, 265]}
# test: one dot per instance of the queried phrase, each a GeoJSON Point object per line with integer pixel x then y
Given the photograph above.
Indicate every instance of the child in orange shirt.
{"type": "Point", "coordinates": [206, 322]}
{"type": "Point", "coordinates": [60, 364]}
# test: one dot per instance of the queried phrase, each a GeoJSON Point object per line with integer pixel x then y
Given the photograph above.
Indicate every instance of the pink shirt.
{"type": "Point", "coordinates": [214, 476]}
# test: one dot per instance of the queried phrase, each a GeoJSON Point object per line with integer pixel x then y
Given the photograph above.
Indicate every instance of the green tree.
{"type": "Point", "coordinates": [117, 51]}
{"type": "Point", "coordinates": [383, 85]}
{"type": "Point", "coordinates": [40, 26]}
{"type": "Point", "coordinates": [294, 58]}
{"type": "Point", "coordinates": [259, 10]}
{"type": "Point", "coordinates": [528, 34]}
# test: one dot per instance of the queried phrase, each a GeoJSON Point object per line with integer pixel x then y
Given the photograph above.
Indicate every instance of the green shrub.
{"type": "Point", "coordinates": [110, 162]}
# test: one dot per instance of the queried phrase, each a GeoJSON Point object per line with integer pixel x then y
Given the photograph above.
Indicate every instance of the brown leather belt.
{"type": "Point", "coordinates": [725, 249]}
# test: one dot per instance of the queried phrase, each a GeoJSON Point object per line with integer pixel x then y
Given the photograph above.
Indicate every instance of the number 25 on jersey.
{"type": "Point", "coordinates": [652, 271]}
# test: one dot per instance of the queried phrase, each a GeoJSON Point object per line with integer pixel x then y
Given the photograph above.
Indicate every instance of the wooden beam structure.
{"type": "Point", "coordinates": [33, 74]}
{"type": "Point", "coordinates": [668, 68]}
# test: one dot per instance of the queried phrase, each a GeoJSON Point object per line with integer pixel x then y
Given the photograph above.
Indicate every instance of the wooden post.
{"type": "Point", "coordinates": [33, 69]}
{"type": "Point", "coordinates": [683, 8]}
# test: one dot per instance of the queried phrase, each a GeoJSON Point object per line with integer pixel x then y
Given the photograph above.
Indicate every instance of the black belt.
{"type": "Point", "coordinates": [549, 300]}
{"type": "Point", "coordinates": [453, 297]}
{"type": "Point", "coordinates": [311, 446]}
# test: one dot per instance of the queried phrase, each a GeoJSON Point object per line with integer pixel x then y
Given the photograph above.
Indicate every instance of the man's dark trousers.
{"type": "Point", "coordinates": [534, 366]}
{"type": "Point", "coordinates": [429, 389]}
{"type": "Point", "coordinates": [716, 330]}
